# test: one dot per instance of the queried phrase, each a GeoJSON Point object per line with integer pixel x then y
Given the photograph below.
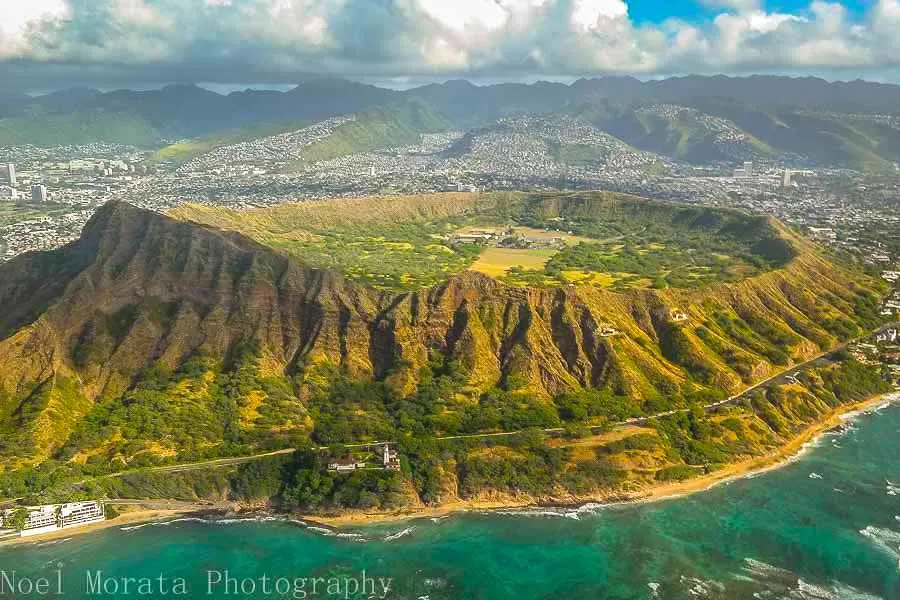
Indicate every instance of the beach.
{"type": "Point", "coordinates": [139, 512]}
{"type": "Point", "coordinates": [774, 460]}
{"type": "Point", "coordinates": [134, 516]}
{"type": "Point", "coordinates": [823, 527]}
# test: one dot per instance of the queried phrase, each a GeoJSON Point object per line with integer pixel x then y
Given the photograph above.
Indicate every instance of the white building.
{"type": "Point", "coordinates": [40, 520]}
{"type": "Point", "coordinates": [607, 330]}
{"type": "Point", "coordinates": [390, 458]}
{"type": "Point", "coordinates": [11, 174]}
{"type": "Point", "coordinates": [786, 182]}
{"type": "Point", "coordinates": [80, 513]}
{"type": "Point", "coordinates": [345, 464]}
{"type": "Point", "coordinates": [678, 316]}
{"type": "Point", "coordinates": [54, 517]}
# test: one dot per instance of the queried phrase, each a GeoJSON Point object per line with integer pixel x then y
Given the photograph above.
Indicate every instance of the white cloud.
{"type": "Point", "coordinates": [17, 16]}
{"type": "Point", "coordinates": [461, 14]}
{"type": "Point", "coordinates": [588, 14]}
{"type": "Point", "coordinates": [427, 37]}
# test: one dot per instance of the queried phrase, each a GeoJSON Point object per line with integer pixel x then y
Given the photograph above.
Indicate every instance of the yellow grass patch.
{"type": "Point", "coordinates": [497, 261]}
{"type": "Point", "coordinates": [619, 433]}
{"type": "Point", "coordinates": [641, 283]}
{"type": "Point", "coordinates": [576, 276]}
{"type": "Point", "coordinates": [250, 411]}
{"type": "Point", "coordinates": [497, 452]}
{"type": "Point", "coordinates": [603, 279]}
{"type": "Point", "coordinates": [438, 248]}
{"type": "Point", "coordinates": [398, 245]}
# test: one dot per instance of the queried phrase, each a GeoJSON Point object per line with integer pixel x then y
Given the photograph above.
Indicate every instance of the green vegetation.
{"type": "Point", "coordinates": [425, 370]}
{"type": "Point", "coordinates": [718, 130]}
{"type": "Point", "coordinates": [372, 241]}
{"type": "Point", "coordinates": [185, 150]}
{"type": "Point", "coordinates": [392, 126]}
{"type": "Point", "coordinates": [638, 243]}
{"type": "Point", "coordinates": [78, 128]}
{"type": "Point", "coordinates": [677, 132]}
{"type": "Point", "coordinates": [648, 244]}
{"type": "Point", "coordinates": [167, 408]}
{"type": "Point", "coordinates": [401, 257]}
{"type": "Point", "coordinates": [676, 473]}
{"type": "Point", "coordinates": [17, 520]}
{"type": "Point", "coordinates": [203, 409]}
{"type": "Point", "coordinates": [15, 212]}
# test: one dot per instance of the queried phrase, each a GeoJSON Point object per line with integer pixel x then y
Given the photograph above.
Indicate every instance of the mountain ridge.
{"type": "Point", "coordinates": [792, 115]}
{"type": "Point", "coordinates": [141, 291]}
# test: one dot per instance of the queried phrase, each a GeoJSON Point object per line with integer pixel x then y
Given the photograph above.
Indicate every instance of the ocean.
{"type": "Point", "coordinates": [826, 526]}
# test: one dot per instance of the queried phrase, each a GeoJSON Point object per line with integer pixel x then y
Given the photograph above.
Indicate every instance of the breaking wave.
{"type": "Point", "coordinates": [774, 583]}
{"type": "Point", "coordinates": [399, 534]}
{"type": "Point", "coordinates": [885, 539]}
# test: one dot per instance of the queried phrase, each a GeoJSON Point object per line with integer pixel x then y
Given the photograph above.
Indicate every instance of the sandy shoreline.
{"type": "Point", "coordinates": [783, 456]}
{"type": "Point", "coordinates": [762, 464]}
{"type": "Point", "coordinates": [135, 517]}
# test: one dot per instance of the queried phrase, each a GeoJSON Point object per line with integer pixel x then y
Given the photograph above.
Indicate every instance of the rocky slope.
{"type": "Point", "coordinates": [141, 289]}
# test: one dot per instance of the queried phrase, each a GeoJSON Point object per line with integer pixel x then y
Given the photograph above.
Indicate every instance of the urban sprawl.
{"type": "Point", "coordinates": [57, 189]}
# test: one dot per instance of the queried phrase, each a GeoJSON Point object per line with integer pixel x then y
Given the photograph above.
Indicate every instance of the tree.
{"type": "Point", "coordinates": [17, 519]}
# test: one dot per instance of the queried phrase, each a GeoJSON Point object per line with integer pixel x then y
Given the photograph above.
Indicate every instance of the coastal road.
{"type": "Point", "coordinates": [227, 462]}
{"type": "Point", "coordinates": [817, 360]}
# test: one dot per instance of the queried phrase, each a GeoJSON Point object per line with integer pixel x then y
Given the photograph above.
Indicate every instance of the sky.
{"type": "Point", "coordinates": [50, 44]}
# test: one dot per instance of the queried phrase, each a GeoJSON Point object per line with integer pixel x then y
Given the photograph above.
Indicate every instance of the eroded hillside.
{"type": "Point", "coordinates": [152, 338]}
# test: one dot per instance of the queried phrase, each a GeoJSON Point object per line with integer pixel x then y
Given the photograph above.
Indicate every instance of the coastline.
{"type": "Point", "coordinates": [781, 457]}
{"type": "Point", "coordinates": [145, 513]}
{"type": "Point", "coordinates": [134, 517]}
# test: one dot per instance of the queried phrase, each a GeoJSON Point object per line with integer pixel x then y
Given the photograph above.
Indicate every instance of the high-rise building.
{"type": "Point", "coordinates": [38, 193]}
{"type": "Point", "coordinates": [11, 174]}
{"type": "Point", "coordinates": [786, 182]}
{"type": "Point", "coordinates": [748, 168]}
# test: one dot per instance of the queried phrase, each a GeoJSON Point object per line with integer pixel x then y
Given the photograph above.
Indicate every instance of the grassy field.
{"type": "Point", "coordinates": [10, 212]}
{"type": "Point", "coordinates": [497, 261]}
{"type": "Point", "coordinates": [379, 242]}
{"type": "Point", "coordinates": [405, 243]}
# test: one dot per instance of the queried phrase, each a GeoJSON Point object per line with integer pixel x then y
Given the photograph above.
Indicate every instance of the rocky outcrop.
{"type": "Point", "coordinates": [140, 288]}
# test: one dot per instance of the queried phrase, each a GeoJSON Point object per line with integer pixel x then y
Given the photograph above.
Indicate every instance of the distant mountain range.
{"type": "Point", "coordinates": [692, 119]}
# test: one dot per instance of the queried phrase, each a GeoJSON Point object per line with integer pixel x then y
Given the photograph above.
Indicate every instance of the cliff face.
{"type": "Point", "coordinates": [142, 289]}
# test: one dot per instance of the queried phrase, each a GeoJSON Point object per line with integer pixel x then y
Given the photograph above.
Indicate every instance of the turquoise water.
{"type": "Point", "coordinates": [825, 526]}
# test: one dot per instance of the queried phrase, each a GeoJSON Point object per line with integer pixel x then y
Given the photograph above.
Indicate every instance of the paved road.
{"type": "Point", "coordinates": [819, 359]}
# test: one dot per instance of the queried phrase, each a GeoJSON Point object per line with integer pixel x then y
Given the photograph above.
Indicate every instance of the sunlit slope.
{"type": "Point", "coordinates": [153, 336]}
{"type": "Point", "coordinates": [539, 239]}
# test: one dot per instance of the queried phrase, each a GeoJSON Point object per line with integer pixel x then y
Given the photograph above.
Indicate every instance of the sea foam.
{"type": "Point", "coordinates": [399, 534]}
{"type": "Point", "coordinates": [886, 539]}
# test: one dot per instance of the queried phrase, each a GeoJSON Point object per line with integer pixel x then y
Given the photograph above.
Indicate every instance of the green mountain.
{"type": "Point", "coordinates": [154, 339]}
{"type": "Point", "coordinates": [679, 132]}
{"type": "Point", "coordinates": [398, 125]}
{"type": "Point", "coordinates": [693, 119]}
{"type": "Point", "coordinates": [864, 141]}
{"type": "Point", "coordinates": [82, 127]}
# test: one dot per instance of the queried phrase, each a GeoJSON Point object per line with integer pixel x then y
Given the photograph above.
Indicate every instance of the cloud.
{"type": "Point", "coordinates": [282, 40]}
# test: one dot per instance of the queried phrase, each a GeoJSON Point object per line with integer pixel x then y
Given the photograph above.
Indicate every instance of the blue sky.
{"type": "Point", "coordinates": [656, 11]}
{"type": "Point", "coordinates": [109, 43]}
